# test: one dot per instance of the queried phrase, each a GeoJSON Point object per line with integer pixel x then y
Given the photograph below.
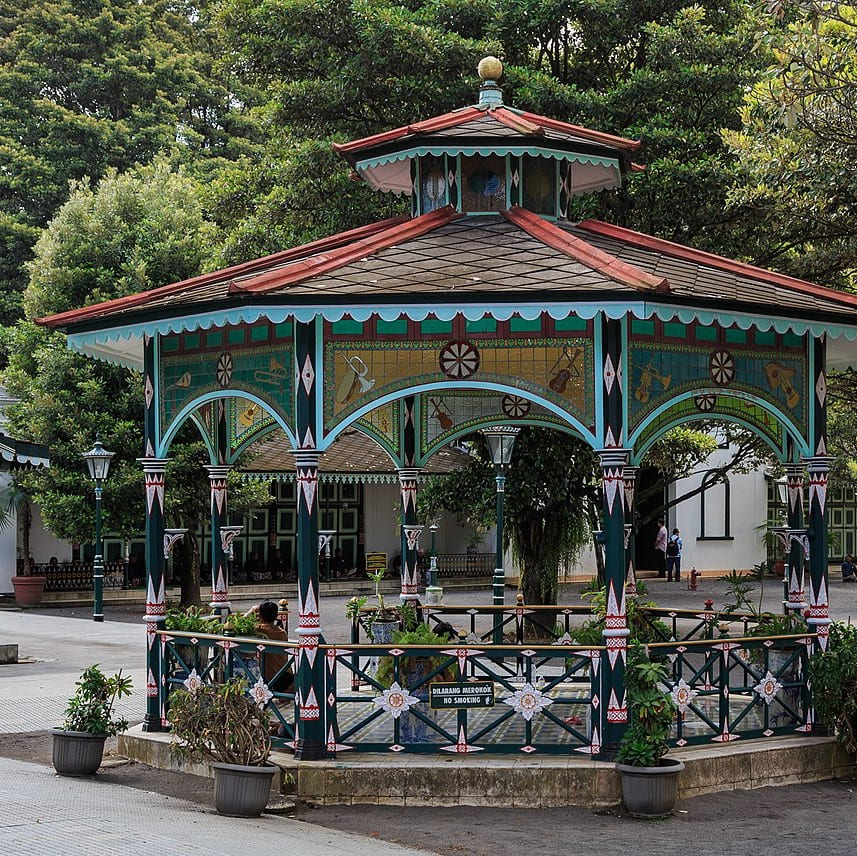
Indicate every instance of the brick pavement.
{"type": "Point", "coordinates": [44, 813]}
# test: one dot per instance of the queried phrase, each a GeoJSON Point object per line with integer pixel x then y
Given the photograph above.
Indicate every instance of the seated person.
{"type": "Point", "coordinates": [269, 628]}
{"type": "Point", "coordinates": [254, 568]}
{"type": "Point", "coordinates": [337, 564]}
{"type": "Point", "coordinates": [849, 570]}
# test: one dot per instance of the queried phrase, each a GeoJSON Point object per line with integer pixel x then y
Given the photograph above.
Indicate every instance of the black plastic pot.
{"type": "Point", "coordinates": [241, 791]}
{"type": "Point", "coordinates": [77, 753]}
{"type": "Point", "coordinates": [650, 791]}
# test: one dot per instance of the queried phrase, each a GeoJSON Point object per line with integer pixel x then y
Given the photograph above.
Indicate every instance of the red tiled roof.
{"type": "Point", "coordinates": [523, 122]}
{"type": "Point", "coordinates": [318, 265]}
{"type": "Point", "coordinates": [679, 251]}
{"type": "Point", "coordinates": [282, 257]}
{"type": "Point", "coordinates": [592, 257]}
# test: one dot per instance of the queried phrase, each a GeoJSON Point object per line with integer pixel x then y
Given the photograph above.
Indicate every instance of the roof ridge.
{"type": "Point", "coordinates": [515, 122]}
{"type": "Point", "coordinates": [343, 255]}
{"type": "Point", "coordinates": [132, 300]}
{"type": "Point", "coordinates": [670, 248]}
{"type": "Point", "coordinates": [580, 250]}
{"type": "Point", "coordinates": [587, 133]}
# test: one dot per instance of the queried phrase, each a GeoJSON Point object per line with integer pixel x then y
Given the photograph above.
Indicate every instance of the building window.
{"type": "Point", "coordinates": [539, 185]}
{"type": "Point", "coordinates": [432, 184]}
{"type": "Point", "coordinates": [715, 512]}
{"type": "Point", "coordinates": [483, 186]}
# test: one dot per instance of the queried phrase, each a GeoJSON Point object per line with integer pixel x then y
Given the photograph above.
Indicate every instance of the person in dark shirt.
{"type": "Point", "coordinates": [849, 570]}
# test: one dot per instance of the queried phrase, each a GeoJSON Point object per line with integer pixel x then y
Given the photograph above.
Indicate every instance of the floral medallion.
{"type": "Point", "coordinates": [528, 701]}
{"type": "Point", "coordinates": [395, 700]}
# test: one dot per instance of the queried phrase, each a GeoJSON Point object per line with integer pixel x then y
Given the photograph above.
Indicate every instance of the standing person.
{"type": "Point", "coordinates": [661, 548]}
{"type": "Point", "coordinates": [674, 546]}
{"type": "Point", "coordinates": [849, 570]}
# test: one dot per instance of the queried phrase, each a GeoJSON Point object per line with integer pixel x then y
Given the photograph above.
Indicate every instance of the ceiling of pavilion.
{"type": "Point", "coordinates": [352, 454]}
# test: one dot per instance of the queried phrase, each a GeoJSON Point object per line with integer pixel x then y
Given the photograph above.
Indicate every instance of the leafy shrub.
{"type": "Point", "coordinates": [240, 624]}
{"type": "Point", "coordinates": [833, 676]}
{"type": "Point", "coordinates": [90, 709]}
{"type": "Point", "coordinates": [220, 722]}
{"type": "Point", "coordinates": [192, 620]}
{"type": "Point", "coordinates": [423, 635]}
{"type": "Point", "coordinates": [651, 711]}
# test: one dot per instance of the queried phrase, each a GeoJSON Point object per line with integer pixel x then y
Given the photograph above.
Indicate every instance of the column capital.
{"type": "Point", "coordinates": [614, 457]}
{"type": "Point", "coordinates": [818, 463]}
{"type": "Point", "coordinates": [408, 473]}
{"type": "Point", "coordinates": [306, 457]}
{"type": "Point", "coordinates": [218, 471]}
{"type": "Point", "coordinates": [153, 465]}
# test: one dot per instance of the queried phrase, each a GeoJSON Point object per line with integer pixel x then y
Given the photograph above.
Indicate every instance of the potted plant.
{"type": "Point", "coordinates": [384, 620]}
{"type": "Point", "coordinates": [89, 721]}
{"type": "Point", "coordinates": [223, 724]}
{"type": "Point", "coordinates": [649, 780]}
{"type": "Point", "coordinates": [17, 507]}
{"type": "Point", "coordinates": [833, 675]}
{"type": "Point", "coordinates": [190, 620]}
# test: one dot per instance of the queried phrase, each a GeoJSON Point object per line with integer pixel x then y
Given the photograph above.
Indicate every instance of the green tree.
{"type": "Point", "coordinates": [797, 142]}
{"type": "Point", "coordinates": [85, 86]}
{"type": "Point", "coordinates": [548, 508]}
{"type": "Point", "coordinates": [130, 232]}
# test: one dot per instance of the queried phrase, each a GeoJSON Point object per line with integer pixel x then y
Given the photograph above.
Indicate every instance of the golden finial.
{"type": "Point", "coordinates": [490, 68]}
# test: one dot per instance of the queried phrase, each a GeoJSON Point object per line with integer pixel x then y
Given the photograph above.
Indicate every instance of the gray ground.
{"type": "Point", "coordinates": [769, 822]}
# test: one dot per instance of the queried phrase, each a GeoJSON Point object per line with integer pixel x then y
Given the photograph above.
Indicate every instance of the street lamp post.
{"type": "Point", "coordinates": [98, 461]}
{"type": "Point", "coordinates": [501, 440]}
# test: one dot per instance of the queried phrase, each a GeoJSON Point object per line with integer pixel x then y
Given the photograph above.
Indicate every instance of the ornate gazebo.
{"type": "Point", "coordinates": [485, 306]}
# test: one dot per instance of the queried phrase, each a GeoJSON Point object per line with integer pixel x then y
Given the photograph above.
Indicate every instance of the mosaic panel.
{"type": "Point", "coordinates": [448, 412]}
{"type": "Point", "coordinates": [245, 419]}
{"type": "Point", "coordinates": [660, 371]}
{"type": "Point", "coordinates": [256, 358]}
{"type": "Point", "coordinates": [710, 406]}
{"type": "Point", "coordinates": [556, 368]}
{"type": "Point", "coordinates": [382, 423]}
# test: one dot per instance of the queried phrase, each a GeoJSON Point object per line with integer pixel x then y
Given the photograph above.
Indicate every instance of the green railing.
{"type": "Point", "coordinates": [470, 696]}
{"type": "Point", "coordinates": [189, 659]}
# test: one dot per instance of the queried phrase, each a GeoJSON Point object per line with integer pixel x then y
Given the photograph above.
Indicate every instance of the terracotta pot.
{"type": "Point", "coordinates": [28, 590]}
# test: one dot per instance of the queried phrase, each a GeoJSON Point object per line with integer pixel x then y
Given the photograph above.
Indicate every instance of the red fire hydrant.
{"type": "Point", "coordinates": [692, 578]}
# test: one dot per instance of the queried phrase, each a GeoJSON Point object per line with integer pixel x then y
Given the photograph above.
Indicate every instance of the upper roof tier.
{"type": "Point", "coordinates": [488, 156]}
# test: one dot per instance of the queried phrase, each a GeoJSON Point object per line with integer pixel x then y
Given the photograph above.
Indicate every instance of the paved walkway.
{"type": "Point", "coordinates": [43, 813]}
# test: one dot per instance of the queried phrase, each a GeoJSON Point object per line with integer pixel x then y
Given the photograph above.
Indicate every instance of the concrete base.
{"type": "Point", "coordinates": [528, 782]}
{"type": "Point", "coordinates": [8, 653]}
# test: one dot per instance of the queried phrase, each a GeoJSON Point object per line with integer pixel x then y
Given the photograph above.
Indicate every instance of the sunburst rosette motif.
{"type": "Point", "coordinates": [768, 688]}
{"type": "Point", "coordinates": [192, 682]}
{"type": "Point", "coordinates": [395, 700]}
{"type": "Point", "coordinates": [683, 694]}
{"type": "Point", "coordinates": [528, 701]}
{"type": "Point", "coordinates": [260, 693]}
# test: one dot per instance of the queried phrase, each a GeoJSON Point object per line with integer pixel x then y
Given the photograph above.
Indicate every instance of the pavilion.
{"type": "Point", "coordinates": [485, 306]}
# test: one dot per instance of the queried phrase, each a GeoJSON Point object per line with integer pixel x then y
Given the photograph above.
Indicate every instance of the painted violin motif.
{"type": "Point", "coordinates": [567, 367]}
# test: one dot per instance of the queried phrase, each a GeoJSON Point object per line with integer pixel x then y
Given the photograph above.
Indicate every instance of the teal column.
{"type": "Point", "coordinates": [154, 469]}
{"type": "Point", "coordinates": [217, 480]}
{"type": "Point", "coordinates": [629, 480]}
{"type": "Point", "coordinates": [818, 467]}
{"type": "Point", "coordinates": [310, 739]}
{"type": "Point", "coordinates": [153, 473]}
{"type": "Point", "coordinates": [411, 531]}
{"type": "Point", "coordinates": [795, 598]}
{"type": "Point", "coordinates": [614, 460]}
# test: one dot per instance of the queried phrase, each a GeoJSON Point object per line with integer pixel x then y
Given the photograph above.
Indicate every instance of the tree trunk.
{"type": "Point", "coordinates": [539, 581]}
{"type": "Point", "coordinates": [187, 565]}
{"type": "Point", "coordinates": [26, 518]}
